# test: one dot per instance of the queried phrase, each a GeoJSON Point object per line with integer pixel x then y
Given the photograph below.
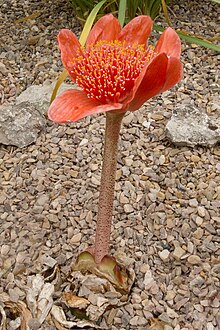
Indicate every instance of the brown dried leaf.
{"type": "Point", "coordinates": [115, 272]}
{"type": "Point", "coordinates": [52, 275]}
{"type": "Point", "coordinates": [100, 293]}
{"type": "Point", "coordinates": [156, 324]}
{"type": "Point", "coordinates": [104, 287]}
{"type": "Point", "coordinates": [32, 16]}
{"type": "Point", "coordinates": [58, 325]}
{"type": "Point", "coordinates": [74, 301]}
{"type": "Point", "coordinates": [20, 308]}
{"type": "Point", "coordinates": [59, 317]}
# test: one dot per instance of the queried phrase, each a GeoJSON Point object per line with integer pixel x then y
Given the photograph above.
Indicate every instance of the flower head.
{"type": "Point", "coordinates": [116, 70]}
{"type": "Point", "coordinates": [107, 70]}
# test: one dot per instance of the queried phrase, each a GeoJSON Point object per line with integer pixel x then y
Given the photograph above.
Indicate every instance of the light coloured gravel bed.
{"type": "Point", "coordinates": [167, 200]}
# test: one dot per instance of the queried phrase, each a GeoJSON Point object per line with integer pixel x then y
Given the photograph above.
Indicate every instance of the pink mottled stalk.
{"type": "Point", "coordinates": [106, 197]}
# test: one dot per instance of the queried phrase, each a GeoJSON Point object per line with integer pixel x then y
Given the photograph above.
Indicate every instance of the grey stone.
{"type": "Point", "coordinates": [190, 126]}
{"type": "Point", "coordinates": [48, 261]}
{"type": "Point", "coordinates": [20, 124]}
{"type": "Point", "coordinates": [40, 96]}
{"type": "Point", "coordinates": [34, 324]}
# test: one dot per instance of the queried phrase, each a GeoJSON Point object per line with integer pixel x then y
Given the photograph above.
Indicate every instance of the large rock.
{"type": "Point", "coordinates": [40, 95]}
{"type": "Point", "coordinates": [20, 124]}
{"type": "Point", "coordinates": [189, 126]}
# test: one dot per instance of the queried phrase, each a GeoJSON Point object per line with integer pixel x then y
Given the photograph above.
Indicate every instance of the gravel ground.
{"type": "Point", "coordinates": [166, 215]}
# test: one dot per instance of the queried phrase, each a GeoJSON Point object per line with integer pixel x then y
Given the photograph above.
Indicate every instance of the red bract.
{"type": "Point", "coordinates": [116, 71]}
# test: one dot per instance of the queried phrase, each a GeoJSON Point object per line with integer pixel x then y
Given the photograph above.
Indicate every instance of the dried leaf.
{"type": "Point", "coordinates": [52, 275]}
{"type": "Point", "coordinates": [58, 325]}
{"type": "Point", "coordinates": [36, 283]}
{"type": "Point", "coordinates": [100, 293]}
{"type": "Point", "coordinates": [59, 316]}
{"type": "Point", "coordinates": [115, 272]}
{"type": "Point", "coordinates": [21, 309]}
{"type": "Point", "coordinates": [26, 18]}
{"type": "Point", "coordinates": [45, 301]}
{"type": "Point", "coordinates": [3, 318]}
{"type": "Point", "coordinates": [73, 301]}
{"type": "Point", "coordinates": [156, 324]}
{"type": "Point", "coordinates": [40, 297]}
{"type": "Point", "coordinates": [102, 287]}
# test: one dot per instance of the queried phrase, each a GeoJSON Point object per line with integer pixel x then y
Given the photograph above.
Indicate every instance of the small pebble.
{"type": "Point", "coordinates": [178, 252]}
{"type": "Point", "coordinates": [194, 259]}
{"type": "Point", "coordinates": [76, 238]}
{"type": "Point", "coordinates": [164, 255]}
{"type": "Point", "coordinates": [201, 211]}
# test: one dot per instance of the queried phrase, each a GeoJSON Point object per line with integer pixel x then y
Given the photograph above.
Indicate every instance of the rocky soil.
{"type": "Point", "coordinates": [167, 201]}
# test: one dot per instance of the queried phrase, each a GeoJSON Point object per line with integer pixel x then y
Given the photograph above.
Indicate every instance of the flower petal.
{"type": "Point", "coordinates": [149, 83]}
{"type": "Point", "coordinates": [68, 44]}
{"type": "Point", "coordinates": [137, 30]}
{"type": "Point", "coordinates": [169, 43]}
{"type": "Point", "coordinates": [174, 73]}
{"type": "Point", "coordinates": [106, 28]}
{"type": "Point", "coordinates": [73, 105]}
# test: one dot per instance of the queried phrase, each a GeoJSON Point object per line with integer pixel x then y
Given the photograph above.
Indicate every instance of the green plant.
{"type": "Point", "coordinates": [151, 8]}
{"type": "Point", "coordinates": [140, 7]}
{"type": "Point", "coordinates": [82, 8]}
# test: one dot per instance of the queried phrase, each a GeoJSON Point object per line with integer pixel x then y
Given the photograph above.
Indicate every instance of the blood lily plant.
{"type": "Point", "coordinates": [117, 71]}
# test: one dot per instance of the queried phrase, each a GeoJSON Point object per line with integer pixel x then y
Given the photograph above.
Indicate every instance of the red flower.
{"type": "Point", "coordinates": [117, 70]}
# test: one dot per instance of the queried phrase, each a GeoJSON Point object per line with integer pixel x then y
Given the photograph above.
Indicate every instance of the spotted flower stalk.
{"type": "Point", "coordinates": [117, 71]}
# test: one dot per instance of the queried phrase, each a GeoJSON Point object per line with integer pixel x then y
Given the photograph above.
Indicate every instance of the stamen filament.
{"type": "Point", "coordinates": [107, 70]}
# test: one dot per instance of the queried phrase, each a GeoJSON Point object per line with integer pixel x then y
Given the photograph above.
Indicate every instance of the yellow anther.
{"type": "Point", "coordinates": [107, 70]}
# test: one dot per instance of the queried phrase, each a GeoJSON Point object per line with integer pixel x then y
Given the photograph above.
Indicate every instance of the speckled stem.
{"type": "Point", "coordinates": [106, 196]}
